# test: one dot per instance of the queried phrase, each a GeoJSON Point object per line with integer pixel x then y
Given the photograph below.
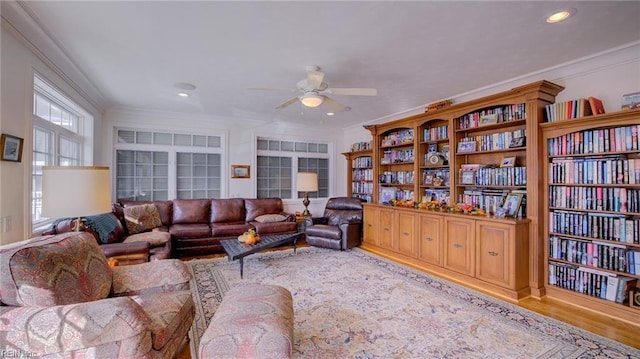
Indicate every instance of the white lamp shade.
{"type": "Point", "coordinates": [70, 191]}
{"type": "Point", "coordinates": [311, 100]}
{"type": "Point", "coordinates": [307, 182]}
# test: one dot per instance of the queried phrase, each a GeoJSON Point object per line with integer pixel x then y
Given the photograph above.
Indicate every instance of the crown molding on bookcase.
{"type": "Point", "coordinates": [617, 56]}
{"type": "Point", "coordinates": [19, 20]}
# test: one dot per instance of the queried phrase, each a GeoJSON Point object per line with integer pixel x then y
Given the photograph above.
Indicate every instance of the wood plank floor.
{"type": "Point", "coordinates": [597, 323]}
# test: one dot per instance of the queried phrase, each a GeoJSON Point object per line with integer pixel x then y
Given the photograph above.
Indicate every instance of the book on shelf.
{"type": "Point", "coordinates": [572, 109]}
{"type": "Point", "coordinates": [597, 107]}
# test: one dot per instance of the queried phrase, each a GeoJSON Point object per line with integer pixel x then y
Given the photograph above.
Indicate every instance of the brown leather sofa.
{"type": "Point", "coordinates": [198, 225]}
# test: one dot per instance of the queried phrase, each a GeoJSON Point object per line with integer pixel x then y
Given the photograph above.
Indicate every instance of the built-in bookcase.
{"type": "Point", "coordinates": [592, 229]}
{"type": "Point", "coordinates": [360, 171]}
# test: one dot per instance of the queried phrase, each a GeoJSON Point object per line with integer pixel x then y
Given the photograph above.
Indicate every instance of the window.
{"type": "Point", "coordinates": [61, 137]}
{"type": "Point", "coordinates": [278, 161]}
{"type": "Point", "coordinates": [157, 166]}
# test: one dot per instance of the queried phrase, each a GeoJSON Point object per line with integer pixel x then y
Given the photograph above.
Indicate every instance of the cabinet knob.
{"type": "Point", "coordinates": [493, 254]}
{"type": "Point", "coordinates": [405, 233]}
{"type": "Point", "coordinates": [457, 245]}
{"type": "Point", "coordinates": [428, 239]}
{"type": "Point", "coordinates": [386, 229]}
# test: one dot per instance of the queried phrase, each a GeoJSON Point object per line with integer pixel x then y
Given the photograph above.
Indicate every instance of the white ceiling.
{"type": "Point", "coordinates": [414, 53]}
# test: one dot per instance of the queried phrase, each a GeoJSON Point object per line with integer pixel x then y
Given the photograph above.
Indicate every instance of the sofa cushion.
{"type": "Point", "coordinates": [164, 207]}
{"type": "Point", "coordinates": [191, 211]}
{"type": "Point", "coordinates": [167, 312]}
{"type": "Point", "coordinates": [194, 230]}
{"type": "Point", "coordinates": [142, 218]}
{"type": "Point", "coordinates": [258, 206]}
{"type": "Point", "coordinates": [229, 229]}
{"type": "Point", "coordinates": [154, 238]}
{"type": "Point", "coordinates": [63, 269]}
{"type": "Point", "coordinates": [269, 218]}
{"type": "Point", "coordinates": [226, 210]}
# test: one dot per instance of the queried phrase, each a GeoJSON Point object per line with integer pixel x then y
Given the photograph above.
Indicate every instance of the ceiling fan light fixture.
{"type": "Point", "coordinates": [311, 99]}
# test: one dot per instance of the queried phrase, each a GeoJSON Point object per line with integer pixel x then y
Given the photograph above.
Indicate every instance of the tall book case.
{"type": "Point", "coordinates": [428, 156]}
{"type": "Point", "coordinates": [592, 211]}
{"type": "Point", "coordinates": [360, 173]}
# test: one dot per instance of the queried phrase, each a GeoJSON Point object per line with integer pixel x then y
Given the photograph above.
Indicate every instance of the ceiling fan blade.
{"type": "Point", "coordinates": [333, 106]}
{"type": "Point", "coordinates": [314, 79]}
{"type": "Point", "coordinates": [352, 91]}
{"type": "Point", "coordinates": [289, 102]}
{"type": "Point", "coordinates": [272, 89]}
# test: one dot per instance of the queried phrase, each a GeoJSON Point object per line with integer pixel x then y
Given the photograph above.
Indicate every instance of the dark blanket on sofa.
{"type": "Point", "coordinates": [102, 224]}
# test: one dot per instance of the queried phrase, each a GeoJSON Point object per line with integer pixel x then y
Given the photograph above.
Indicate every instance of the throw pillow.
{"type": "Point", "coordinates": [142, 218]}
{"type": "Point", "coordinates": [269, 218]}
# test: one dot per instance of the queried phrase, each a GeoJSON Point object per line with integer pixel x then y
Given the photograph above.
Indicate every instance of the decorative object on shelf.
{"type": "Point", "coordinates": [597, 108]}
{"type": "Point", "coordinates": [435, 159]}
{"type": "Point", "coordinates": [11, 148]}
{"type": "Point", "coordinates": [433, 148]}
{"type": "Point", "coordinates": [467, 177]}
{"type": "Point", "coordinates": [445, 152]}
{"type": "Point", "coordinates": [240, 171]}
{"type": "Point", "coordinates": [511, 204]}
{"type": "Point", "coordinates": [517, 142]}
{"type": "Point", "coordinates": [307, 182]}
{"type": "Point", "coordinates": [75, 191]}
{"type": "Point", "coordinates": [468, 146]}
{"type": "Point", "coordinates": [634, 298]}
{"type": "Point", "coordinates": [631, 101]}
{"type": "Point", "coordinates": [438, 181]}
{"type": "Point", "coordinates": [509, 161]}
{"type": "Point", "coordinates": [489, 119]}
{"type": "Point", "coordinates": [388, 195]}
{"type": "Point", "coordinates": [438, 105]}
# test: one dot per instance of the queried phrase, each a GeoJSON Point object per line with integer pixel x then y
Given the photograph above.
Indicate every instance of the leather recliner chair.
{"type": "Point", "coordinates": [340, 227]}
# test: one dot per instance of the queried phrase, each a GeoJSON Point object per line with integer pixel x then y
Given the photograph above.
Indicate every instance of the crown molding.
{"type": "Point", "coordinates": [17, 18]}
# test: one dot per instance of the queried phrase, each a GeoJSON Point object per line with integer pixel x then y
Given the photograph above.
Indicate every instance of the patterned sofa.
{"type": "Point", "coordinates": [61, 299]}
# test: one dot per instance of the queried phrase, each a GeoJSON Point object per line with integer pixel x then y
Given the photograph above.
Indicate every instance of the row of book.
{"type": "Point", "coordinates": [436, 177]}
{"type": "Point", "coordinates": [614, 199]}
{"type": "Point", "coordinates": [397, 138]}
{"type": "Point", "coordinates": [486, 199]}
{"type": "Point", "coordinates": [599, 255]}
{"type": "Point", "coordinates": [503, 113]}
{"type": "Point", "coordinates": [362, 174]}
{"type": "Point", "coordinates": [362, 187]}
{"type": "Point", "coordinates": [361, 146]}
{"type": "Point", "coordinates": [494, 141]}
{"type": "Point", "coordinates": [611, 227]}
{"type": "Point", "coordinates": [362, 162]}
{"type": "Point", "coordinates": [571, 109]}
{"type": "Point", "coordinates": [497, 176]}
{"type": "Point", "coordinates": [615, 139]}
{"type": "Point", "coordinates": [436, 133]}
{"type": "Point", "coordinates": [606, 170]}
{"type": "Point", "coordinates": [591, 281]}
{"type": "Point", "coordinates": [397, 177]}
{"type": "Point", "coordinates": [397, 156]}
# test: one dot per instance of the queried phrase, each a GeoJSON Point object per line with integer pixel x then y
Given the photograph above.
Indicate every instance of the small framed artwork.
{"type": "Point", "coordinates": [467, 177]}
{"type": "Point", "coordinates": [433, 147]}
{"type": "Point", "coordinates": [512, 204]}
{"type": "Point", "coordinates": [428, 178]}
{"type": "Point", "coordinates": [488, 119]}
{"type": "Point", "coordinates": [11, 148]}
{"type": "Point", "coordinates": [509, 161]}
{"type": "Point", "coordinates": [240, 171]}
{"type": "Point", "coordinates": [469, 146]}
{"type": "Point", "coordinates": [517, 142]}
{"type": "Point", "coordinates": [634, 297]}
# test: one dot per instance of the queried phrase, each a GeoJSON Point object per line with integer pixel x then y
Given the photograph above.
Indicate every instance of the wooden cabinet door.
{"type": "Point", "coordinates": [371, 224]}
{"type": "Point", "coordinates": [406, 243]}
{"type": "Point", "coordinates": [430, 239]}
{"type": "Point", "coordinates": [386, 229]}
{"type": "Point", "coordinates": [494, 251]}
{"type": "Point", "coordinates": [459, 249]}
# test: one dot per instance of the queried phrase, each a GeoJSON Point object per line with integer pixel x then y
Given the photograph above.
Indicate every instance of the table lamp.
{"type": "Point", "coordinates": [307, 182]}
{"type": "Point", "coordinates": [75, 191]}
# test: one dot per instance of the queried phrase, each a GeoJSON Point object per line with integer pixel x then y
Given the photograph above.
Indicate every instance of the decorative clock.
{"type": "Point", "coordinates": [436, 159]}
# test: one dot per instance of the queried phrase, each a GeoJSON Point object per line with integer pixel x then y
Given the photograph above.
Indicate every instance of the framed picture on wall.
{"type": "Point", "coordinates": [11, 148]}
{"type": "Point", "coordinates": [240, 171]}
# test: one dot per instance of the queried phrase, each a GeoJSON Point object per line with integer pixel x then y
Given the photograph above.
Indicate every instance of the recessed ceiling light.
{"type": "Point", "coordinates": [560, 15]}
{"type": "Point", "coordinates": [183, 94]}
{"type": "Point", "coordinates": [330, 113]}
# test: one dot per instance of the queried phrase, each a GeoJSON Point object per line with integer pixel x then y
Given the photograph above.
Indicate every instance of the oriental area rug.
{"type": "Point", "coordinates": [353, 304]}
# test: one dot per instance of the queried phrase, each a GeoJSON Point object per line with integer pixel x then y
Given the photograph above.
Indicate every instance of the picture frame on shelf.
{"type": "Point", "coordinates": [517, 142]}
{"type": "Point", "coordinates": [433, 147]}
{"type": "Point", "coordinates": [11, 148]}
{"type": "Point", "coordinates": [630, 101]}
{"type": "Point", "coordinates": [428, 178]}
{"type": "Point", "coordinates": [240, 171]}
{"type": "Point", "coordinates": [511, 204]}
{"type": "Point", "coordinates": [634, 298]}
{"type": "Point", "coordinates": [489, 119]}
{"type": "Point", "coordinates": [468, 146]}
{"type": "Point", "coordinates": [467, 177]}
{"type": "Point", "coordinates": [508, 161]}
{"type": "Point", "coordinates": [445, 151]}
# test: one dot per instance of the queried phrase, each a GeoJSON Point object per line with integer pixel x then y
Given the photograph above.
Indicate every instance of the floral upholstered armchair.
{"type": "Point", "coordinates": [61, 299]}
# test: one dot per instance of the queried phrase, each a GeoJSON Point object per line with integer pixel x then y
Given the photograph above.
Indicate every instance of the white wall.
{"type": "Point", "coordinates": [17, 64]}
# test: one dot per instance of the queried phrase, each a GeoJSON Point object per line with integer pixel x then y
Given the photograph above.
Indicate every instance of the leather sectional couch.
{"type": "Point", "coordinates": [196, 226]}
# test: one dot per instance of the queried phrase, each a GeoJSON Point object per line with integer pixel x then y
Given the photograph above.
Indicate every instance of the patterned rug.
{"type": "Point", "coordinates": [353, 304]}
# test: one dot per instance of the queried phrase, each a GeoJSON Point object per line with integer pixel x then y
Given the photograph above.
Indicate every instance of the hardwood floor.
{"type": "Point", "coordinates": [597, 323]}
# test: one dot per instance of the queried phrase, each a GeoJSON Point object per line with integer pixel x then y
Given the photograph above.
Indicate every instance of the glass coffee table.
{"type": "Point", "coordinates": [237, 250]}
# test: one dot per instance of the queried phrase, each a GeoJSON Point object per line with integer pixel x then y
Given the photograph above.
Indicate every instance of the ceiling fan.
{"type": "Point", "coordinates": [314, 91]}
